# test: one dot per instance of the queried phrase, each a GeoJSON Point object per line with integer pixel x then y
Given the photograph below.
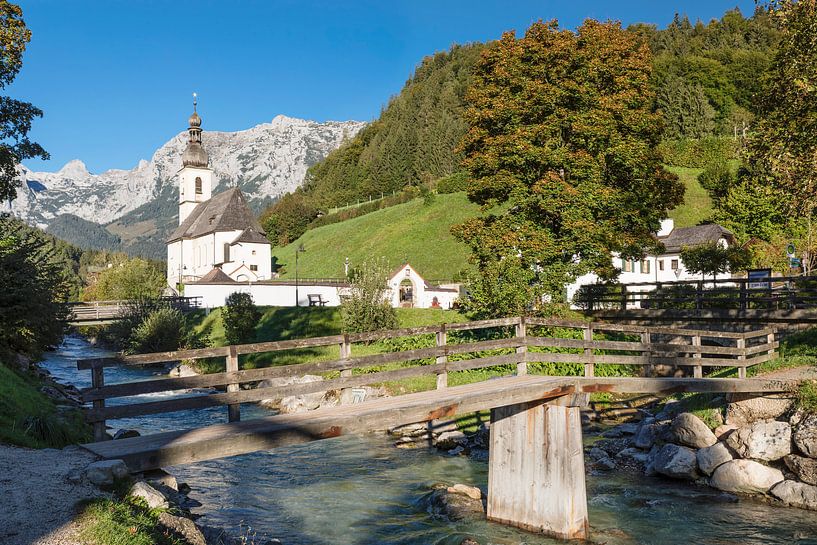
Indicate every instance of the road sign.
{"type": "Point", "coordinates": [790, 250]}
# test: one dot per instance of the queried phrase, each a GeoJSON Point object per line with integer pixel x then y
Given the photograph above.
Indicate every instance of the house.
{"type": "Point", "coordinates": [667, 266]}
{"type": "Point", "coordinates": [215, 232]}
{"type": "Point", "coordinates": [409, 289]}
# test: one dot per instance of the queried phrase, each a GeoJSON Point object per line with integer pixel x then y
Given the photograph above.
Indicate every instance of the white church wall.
{"type": "Point", "coordinates": [263, 294]}
{"type": "Point", "coordinates": [252, 254]}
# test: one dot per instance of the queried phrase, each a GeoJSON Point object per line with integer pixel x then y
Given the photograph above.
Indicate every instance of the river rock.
{"type": "Point", "coordinates": [745, 477]}
{"type": "Point", "coordinates": [806, 436]}
{"type": "Point", "coordinates": [419, 429]}
{"type": "Point", "coordinates": [293, 403]}
{"type": "Point", "coordinates": [184, 528]}
{"type": "Point", "coordinates": [471, 491]}
{"type": "Point", "coordinates": [450, 439]}
{"type": "Point", "coordinates": [648, 433]}
{"type": "Point", "coordinates": [796, 494]}
{"type": "Point", "coordinates": [600, 459]}
{"type": "Point", "coordinates": [745, 409]}
{"type": "Point", "coordinates": [765, 440]}
{"type": "Point", "coordinates": [632, 457]}
{"type": "Point", "coordinates": [676, 461]}
{"type": "Point", "coordinates": [125, 434]}
{"type": "Point", "coordinates": [455, 506]}
{"type": "Point", "coordinates": [152, 497]}
{"type": "Point", "coordinates": [804, 468]}
{"type": "Point", "coordinates": [182, 370]}
{"type": "Point", "coordinates": [104, 472]}
{"type": "Point", "coordinates": [709, 458]}
{"type": "Point", "coordinates": [723, 431]}
{"type": "Point", "coordinates": [689, 430]}
{"type": "Point", "coordinates": [349, 396]}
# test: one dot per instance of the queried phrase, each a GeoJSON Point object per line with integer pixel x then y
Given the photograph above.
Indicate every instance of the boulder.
{"type": "Point", "coordinates": [125, 434]}
{"type": "Point", "coordinates": [745, 409]}
{"type": "Point", "coordinates": [411, 430]}
{"type": "Point", "coordinates": [709, 458]}
{"type": "Point", "coordinates": [298, 403]}
{"type": "Point", "coordinates": [745, 477]}
{"type": "Point", "coordinates": [450, 439]}
{"type": "Point", "coordinates": [804, 468]}
{"type": "Point", "coordinates": [103, 473]}
{"type": "Point", "coordinates": [806, 436]}
{"type": "Point", "coordinates": [723, 431]}
{"type": "Point", "coordinates": [349, 396]}
{"type": "Point", "coordinates": [689, 430]}
{"type": "Point", "coordinates": [455, 506]}
{"type": "Point", "coordinates": [766, 440]}
{"type": "Point", "coordinates": [182, 370]}
{"type": "Point", "coordinates": [632, 457]}
{"type": "Point", "coordinates": [647, 434]}
{"type": "Point", "coordinates": [152, 497]}
{"type": "Point", "coordinates": [183, 528]}
{"type": "Point", "coordinates": [471, 491]}
{"type": "Point", "coordinates": [796, 494]}
{"type": "Point", "coordinates": [676, 461]}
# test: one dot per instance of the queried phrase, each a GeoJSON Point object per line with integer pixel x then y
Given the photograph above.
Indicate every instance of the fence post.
{"type": "Point", "coordinates": [743, 295]}
{"type": "Point", "coordinates": [589, 366]}
{"type": "Point", "coordinates": [741, 343]}
{"type": "Point", "coordinates": [646, 340]}
{"type": "Point", "coordinates": [699, 295]}
{"type": "Point", "coordinates": [233, 409]}
{"type": "Point", "coordinates": [98, 381]}
{"type": "Point", "coordinates": [624, 297]}
{"type": "Point", "coordinates": [345, 354]}
{"type": "Point", "coordinates": [442, 340]}
{"type": "Point", "coordinates": [770, 341]}
{"type": "Point", "coordinates": [697, 370]}
{"type": "Point", "coordinates": [522, 347]}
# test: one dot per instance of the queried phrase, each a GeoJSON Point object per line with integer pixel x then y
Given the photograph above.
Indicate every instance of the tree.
{"type": "Point", "coordinates": [563, 131]}
{"type": "Point", "coordinates": [713, 258]}
{"type": "Point", "coordinates": [131, 279]}
{"type": "Point", "coordinates": [368, 308]}
{"type": "Point", "coordinates": [240, 316]}
{"type": "Point", "coordinates": [15, 116]}
{"type": "Point", "coordinates": [288, 218]}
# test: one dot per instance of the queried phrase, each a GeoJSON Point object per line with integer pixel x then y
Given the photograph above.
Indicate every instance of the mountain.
{"type": "Point", "coordinates": [139, 205]}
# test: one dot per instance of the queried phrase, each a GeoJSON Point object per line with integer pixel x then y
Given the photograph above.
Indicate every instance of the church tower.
{"type": "Point", "coordinates": [195, 177]}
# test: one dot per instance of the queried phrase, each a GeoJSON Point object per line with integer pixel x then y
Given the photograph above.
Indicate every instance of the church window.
{"type": "Point", "coordinates": [253, 252]}
{"type": "Point", "coordinates": [198, 185]}
{"type": "Point", "coordinates": [226, 252]}
{"type": "Point", "coordinates": [253, 268]}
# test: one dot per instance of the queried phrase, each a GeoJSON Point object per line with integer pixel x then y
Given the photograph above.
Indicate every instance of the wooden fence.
{"type": "Point", "coordinates": [516, 346]}
{"type": "Point", "coordinates": [770, 293]}
{"type": "Point", "coordinates": [94, 311]}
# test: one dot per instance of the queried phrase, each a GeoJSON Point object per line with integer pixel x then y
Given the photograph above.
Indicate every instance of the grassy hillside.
{"type": "Point", "coordinates": [410, 232]}
{"type": "Point", "coordinates": [697, 205]}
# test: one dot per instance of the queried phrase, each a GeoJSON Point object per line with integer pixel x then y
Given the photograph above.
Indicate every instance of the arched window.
{"type": "Point", "coordinates": [198, 185]}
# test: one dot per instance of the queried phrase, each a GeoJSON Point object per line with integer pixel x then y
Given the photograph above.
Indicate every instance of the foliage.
{"type": "Point", "coordinates": [717, 178]}
{"type": "Point", "coordinates": [288, 218]}
{"type": "Point", "coordinates": [698, 153]}
{"type": "Point", "coordinates": [35, 287]}
{"type": "Point", "coordinates": [562, 128]}
{"type": "Point", "coordinates": [368, 306]}
{"type": "Point", "coordinates": [712, 258]}
{"type": "Point", "coordinates": [131, 279]}
{"type": "Point", "coordinates": [240, 316]}
{"type": "Point", "coordinates": [367, 207]}
{"type": "Point", "coordinates": [502, 288]}
{"type": "Point", "coordinates": [162, 330]}
{"type": "Point", "coordinates": [123, 521]}
{"type": "Point", "coordinates": [807, 396]}
{"type": "Point", "coordinates": [686, 108]}
{"type": "Point", "coordinates": [83, 233]}
{"type": "Point", "coordinates": [15, 116]}
{"type": "Point", "coordinates": [453, 183]}
{"type": "Point", "coordinates": [752, 210]}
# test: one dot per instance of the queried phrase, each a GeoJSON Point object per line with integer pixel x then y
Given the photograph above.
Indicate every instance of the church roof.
{"type": "Point", "coordinates": [216, 275]}
{"type": "Point", "coordinates": [250, 235]}
{"type": "Point", "coordinates": [227, 211]}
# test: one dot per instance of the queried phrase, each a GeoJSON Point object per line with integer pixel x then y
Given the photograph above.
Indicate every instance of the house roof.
{"type": "Point", "coordinates": [695, 236]}
{"type": "Point", "coordinates": [227, 211]}
{"type": "Point", "coordinates": [215, 276]}
{"type": "Point", "coordinates": [250, 235]}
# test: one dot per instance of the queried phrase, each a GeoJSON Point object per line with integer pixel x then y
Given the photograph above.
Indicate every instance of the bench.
{"type": "Point", "coordinates": [316, 300]}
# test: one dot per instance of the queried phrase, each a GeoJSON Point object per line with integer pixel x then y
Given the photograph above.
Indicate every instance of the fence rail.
{"type": "Point", "coordinates": [110, 310]}
{"type": "Point", "coordinates": [656, 346]}
{"type": "Point", "coordinates": [768, 293]}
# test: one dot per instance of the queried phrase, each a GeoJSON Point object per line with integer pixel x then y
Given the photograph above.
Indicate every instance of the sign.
{"type": "Point", "coordinates": [759, 279]}
{"type": "Point", "coordinates": [790, 250]}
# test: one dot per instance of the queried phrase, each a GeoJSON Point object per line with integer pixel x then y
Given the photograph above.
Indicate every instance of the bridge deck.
{"type": "Point", "coordinates": [222, 440]}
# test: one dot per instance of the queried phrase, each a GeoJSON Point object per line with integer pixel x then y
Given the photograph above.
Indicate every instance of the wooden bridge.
{"type": "Point", "coordinates": [106, 312]}
{"type": "Point", "coordinates": [536, 466]}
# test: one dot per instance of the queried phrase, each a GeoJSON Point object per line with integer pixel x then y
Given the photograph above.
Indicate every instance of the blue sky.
{"type": "Point", "coordinates": [115, 77]}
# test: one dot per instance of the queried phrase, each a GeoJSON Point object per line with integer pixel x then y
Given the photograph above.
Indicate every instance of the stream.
{"type": "Point", "coordinates": [361, 490]}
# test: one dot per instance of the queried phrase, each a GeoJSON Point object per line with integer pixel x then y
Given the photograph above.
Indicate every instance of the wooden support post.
{"type": "Point", "coordinates": [98, 381]}
{"type": "Point", "coordinates": [743, 295]}
{"type": "Point", "coordinates": [697, 370]}
{"type": "Point", "coordinates": [345, 353]}
{"type": "Point", "coordinates": [646, 340]}
{"type": "Point", "coordinates": [522, 349]}
{"type": "Point", "coordinates": [589, 366]}
{"type": "Point", "coordinates": [770, 342]}
{"type": "Point", "coordinates": [741, 342]}
{"type": "Point", "coordinates": [536, 470]}
{"type": "Point", "coordinates": [624, 297]}
{"type": "Point", "coordinates": [442, 340]}
{"type": "Point", "coordinates": [233, 410]}
{"type": "Point", "coordinates": [699, 295]}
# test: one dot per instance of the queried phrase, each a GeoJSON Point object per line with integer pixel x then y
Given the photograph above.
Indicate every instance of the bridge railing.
{"type": "Point", "coordinates": [510, 342]}
{"type": "Point", "coordinates": [768, 293]}
{"type": "Point", "coordinates": [109, 310]}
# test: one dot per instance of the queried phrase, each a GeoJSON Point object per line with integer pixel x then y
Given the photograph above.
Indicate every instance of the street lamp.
{"type": "Point", "coordinates": [298, 250]}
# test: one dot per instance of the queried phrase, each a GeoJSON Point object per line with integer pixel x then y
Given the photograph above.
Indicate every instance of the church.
{"type": "Point", "coordinates": [218, 237]}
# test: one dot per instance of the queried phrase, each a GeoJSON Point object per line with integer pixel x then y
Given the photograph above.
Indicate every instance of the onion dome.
{"type": "Point", "coordinates": [195, 155]}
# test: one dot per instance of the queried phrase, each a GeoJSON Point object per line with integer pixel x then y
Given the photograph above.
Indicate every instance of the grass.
{"type": "Point", "coordinates": [697, 205]}
{"type": "Point", "coordinates": [29, 418]}
{"type": "Point", "coordinates": [410, 232]}
{"type": "Point", "coordinates": [807, 396]}
{"type": "Point", "coordinates": [125, 521]}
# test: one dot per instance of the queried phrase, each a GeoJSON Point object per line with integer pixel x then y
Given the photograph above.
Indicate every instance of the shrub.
{"type": "Point", "coordinates": [697, 153]}
{"type": "Point", "coordinates": [163, 330]}
{"type": "Point", "coordinates": [367, 308]}
{"type": "Point", "coordinates": [453, 183]}
{"type": "Point", "coordinates": [240, 315]}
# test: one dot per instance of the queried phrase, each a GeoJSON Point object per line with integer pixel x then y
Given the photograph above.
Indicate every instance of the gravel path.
{"type": "Point", "coordinates": [39, 496]}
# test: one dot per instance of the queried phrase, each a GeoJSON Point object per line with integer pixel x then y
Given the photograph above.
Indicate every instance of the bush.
{"type": "Point", "coordinates": [717, 178]}
{"type": "Point", "coordinates": [163, 330]}
{"type": "Point", "coordinates": [453, 183]}
{"type": "Point", "coordinates": [367, 308]}
{"type": "Point", "coordinates": [134, 279]}
{"type": "Point", "coordinates": [697, 153]}
{"type": "Point", "coordinates": [240, 315]}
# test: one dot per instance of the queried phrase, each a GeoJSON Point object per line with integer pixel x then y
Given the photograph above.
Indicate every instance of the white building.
{"type": "Point", "coordinates": [665, 267]}
{"type": "Point", "coordinates": [215, 232]}
{"type": "Point", "coordinates": [409, 289]}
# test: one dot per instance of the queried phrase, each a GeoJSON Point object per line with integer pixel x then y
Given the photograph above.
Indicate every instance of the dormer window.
{"type": "Point", "coordinates": [198, 185]}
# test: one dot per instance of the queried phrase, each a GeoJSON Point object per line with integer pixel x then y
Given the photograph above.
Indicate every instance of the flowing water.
{"type": "Point", "coordinates": [362, 490]}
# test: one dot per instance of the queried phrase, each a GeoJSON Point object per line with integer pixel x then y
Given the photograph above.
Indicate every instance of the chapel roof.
{"type": "Point", "coordinates": [217, 276]}
{"type": "Point", "coordinates": [250, 235]}
{"type": "Point", "coordinates": [227, 211]}
{"type": "Point", "coordinates": [695, 236]}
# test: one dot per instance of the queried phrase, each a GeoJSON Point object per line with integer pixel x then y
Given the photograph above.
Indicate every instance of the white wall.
{"type": "Point", "coordinates": [263, 294]}
{"type": "Point", "coordinates": [423, 295]}
{"type": "Point", "coordinates": [188, 198]}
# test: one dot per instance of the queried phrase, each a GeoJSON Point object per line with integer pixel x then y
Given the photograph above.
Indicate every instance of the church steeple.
{"type": "Point", "coordinates": [195, 177]}
{"type": "Point", "coordinates": [194, 154]}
